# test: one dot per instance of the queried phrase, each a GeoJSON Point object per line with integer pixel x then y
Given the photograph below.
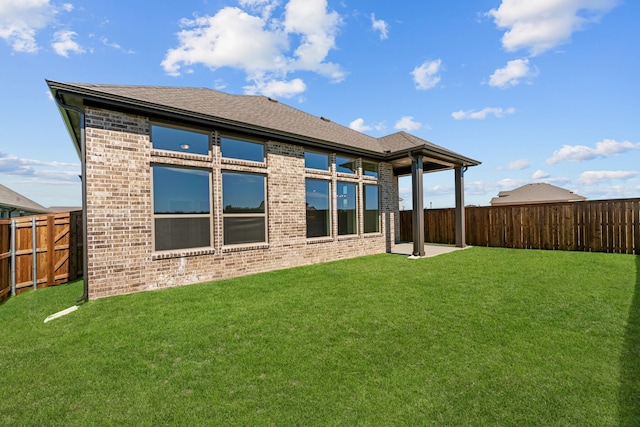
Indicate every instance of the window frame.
{"type": "Point", "coordinates": [377, 169]}
{"type": "Point", "coordinates": [356, 208]}
{"type": "Point", "coordinates": [354, 172]}
{"type": "Point", "coordinates": [364, 208]}
{"type": "Point", "coordinates": [155, 216]}
{"type": "Point", "coordinates": [244, 139]}
{"type": "Point", "coordinates": [329, 214]}
{"type": "Point", "coordinates": [319, 153]}
{"type": "Point", "coordinates": [183, 128]}
{"type": "Point", "coordinates": [226, 215]}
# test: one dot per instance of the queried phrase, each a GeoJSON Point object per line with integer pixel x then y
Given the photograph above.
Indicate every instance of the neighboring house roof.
{"type": "Point", "coordinates": [10, 199]}
{"type": "Point", "coordinates": [535, 193]}
{"type": "Point", "coordinates": [248, 113]}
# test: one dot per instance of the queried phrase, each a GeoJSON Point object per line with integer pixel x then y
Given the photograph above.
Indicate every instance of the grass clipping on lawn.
{"type": "Point", "coordinates": [476, 337]}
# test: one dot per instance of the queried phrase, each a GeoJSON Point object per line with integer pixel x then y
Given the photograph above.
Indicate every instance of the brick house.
{"type": "Point", "coordinates": [185, 185]}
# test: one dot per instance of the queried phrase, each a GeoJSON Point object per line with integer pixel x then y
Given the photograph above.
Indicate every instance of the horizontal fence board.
{"type": "Point", "coordinates": [594, 226]}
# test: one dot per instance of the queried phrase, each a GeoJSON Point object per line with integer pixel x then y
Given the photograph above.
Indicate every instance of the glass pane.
{"type": "Point", "coordinates": [347, 213]}
{"type": "Point", "coordinates": [370, 169]}
{"type": "Point", "coordinates": [181, 233]}
{"type": "Point", "coordinates": [318, 213]}
{"type": "Point", "coordinates": [243, 192]}
{"type": "Point", "coordinates": [316, 161]}
{"type": "Point", "coordinates": [166, 138]}
{"type": "Point", "coordinates": [238, 230]}
{"type": "Point", "coordinates": [180, 190]}
{"type": "Point", "coordinates": [345, 164]}
{"type": "Point", "coordinates": [371, 209]}
{"type": "Point", "coordinates": [243, 150]}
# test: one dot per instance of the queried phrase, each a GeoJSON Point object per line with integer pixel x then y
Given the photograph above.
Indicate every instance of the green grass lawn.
{"type": "Point", "coordinates": [476, 337]}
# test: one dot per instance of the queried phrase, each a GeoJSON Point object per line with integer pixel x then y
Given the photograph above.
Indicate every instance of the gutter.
{"type": "Point", "coordinates": [83, 176]}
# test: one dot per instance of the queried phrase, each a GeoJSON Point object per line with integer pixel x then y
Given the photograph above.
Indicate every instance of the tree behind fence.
{"type": "Point", "coordinates": [593, 226]}
{"type": "Point", "coordinates": [58, 251]}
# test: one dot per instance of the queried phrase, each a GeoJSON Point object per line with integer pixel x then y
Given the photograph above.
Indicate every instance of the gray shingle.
{"type": "Point", "coordinates": [255, 112]}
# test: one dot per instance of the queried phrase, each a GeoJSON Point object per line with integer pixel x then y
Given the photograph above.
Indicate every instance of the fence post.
{"type": "Point", "coordinates": [34, 263]}
{"type": "Point", "coordinates": [12, 249]}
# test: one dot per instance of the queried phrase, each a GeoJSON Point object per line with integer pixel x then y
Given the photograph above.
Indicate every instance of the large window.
{"type": "Point", "coordinates": [318, 212]}
{"type": "Point", "coordinates": [233, 148]}
{"type": "Point", "coordinates": [181, 207]}
{"type": "Point", "coordinates": [347, 208]}
{"type": "Point", "coordinates": [316, 160]}
{"type": "Point", "coordinates": [345, 165]}
{"type": "Point", "coordinates": [371, 209]}
{"type": "Point", "coordinates": [244, 208]}
{"type": "Point", "coordinates": [181, 140]}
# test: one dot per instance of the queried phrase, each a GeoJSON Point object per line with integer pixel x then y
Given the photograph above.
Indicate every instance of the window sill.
{"type": "Point", "coordinates": [182, 253]}
{"type": "Point", "coordinates": [245, 247]}
{"type": "Point", "coordinates": [315, 240]}
{"type": "Point", "coordinates": [349, 237]}
{"type": "Point", "coordinates": [239, 162]}
{"type": "Point", "coordinates": [372, 234]}
{"type": "Point", "coordinates": [322, 172]}
{"type": "Point", "coordinates": [178, 155]}
{"type": "Point", "coordinates": [346, 175]}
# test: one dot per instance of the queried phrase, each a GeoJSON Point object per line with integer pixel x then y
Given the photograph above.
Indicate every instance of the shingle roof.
{"type": "Point", "coordinates": [535, 193]}
{"type": "Point", "coordinates": [257, 113]}
{"type": "Point", "coordinates": [11, 199]}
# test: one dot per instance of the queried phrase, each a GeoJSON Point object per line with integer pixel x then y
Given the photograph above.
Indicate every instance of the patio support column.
{"type": "Point", "coordinates": [418, 205]}
{"type": "Point", "coordinates": [460, 221]}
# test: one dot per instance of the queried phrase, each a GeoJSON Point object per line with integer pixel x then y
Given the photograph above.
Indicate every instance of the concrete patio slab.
{"type": "Point", "coordinates": [430, 250]}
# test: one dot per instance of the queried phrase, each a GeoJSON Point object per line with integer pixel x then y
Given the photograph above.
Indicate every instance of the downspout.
{"type": "Point", "coordinates": [83, 177]}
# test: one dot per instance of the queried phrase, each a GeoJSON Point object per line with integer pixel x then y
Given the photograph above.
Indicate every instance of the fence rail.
{"type": "Point", "coordinates": [592, 226]}
{"type": "Point", "coordinates": [39, 251]}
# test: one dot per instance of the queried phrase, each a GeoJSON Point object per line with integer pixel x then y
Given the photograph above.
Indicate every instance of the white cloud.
{"type": "Point", "coordinates": [517, 165]}
{"type": "Point", "coordinates": [540, 25]}
{"type": "Point", "coordinates": [261, 46]}
{"type": "Point", "coordinates": [20, 21]}
{"type": "Point", "coordinates": [512, 74]}
{"type": "Point", "coordinates": [37, 169]}
{"type": "Point", "coordinates": [407, 123]}
{"type": "Point", "coordinates": [426, 75]}
{"type": "Point", "coordinates": [482, 114]}
{"type": "Point", "coordinates": [63, 43]}
{"type": "Point", "coordinates": [105, 41]}
{"type": "Point", "coordinates": [439, 190]}
{"type": "Point", "coordinates": [540, 174]}
{"type": "Point", "coordinates": [358, 124]}
{"type": "Point", "coordinates": [276, 88]}
{"type": "Point", "coordinates": [317, 29]}
{"type": "Point", "coordinates": [596, 177]}
{"type": "Point", "coordinates": [381, 26]}
{"type": "Point", "coordinates": [604, 148]}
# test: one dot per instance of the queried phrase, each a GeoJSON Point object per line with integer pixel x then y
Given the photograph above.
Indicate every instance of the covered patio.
{"type": "Point", "coordinates": [427, 159]}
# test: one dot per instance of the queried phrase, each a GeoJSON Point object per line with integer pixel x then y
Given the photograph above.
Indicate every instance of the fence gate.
{"type": "Point", "coordinates": [39, 251]}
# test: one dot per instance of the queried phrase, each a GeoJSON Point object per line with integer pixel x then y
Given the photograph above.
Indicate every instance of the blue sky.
{"type": "Point", "coordinates": [539, 91]}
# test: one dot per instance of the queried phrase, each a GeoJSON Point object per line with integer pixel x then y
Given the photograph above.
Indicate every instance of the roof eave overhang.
{"type": "Point", "coordinates": [434, 160]}
{"type": "Point", "coordinates": [119, 103]}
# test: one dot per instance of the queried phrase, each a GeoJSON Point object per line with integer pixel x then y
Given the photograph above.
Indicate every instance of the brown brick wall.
{"type": "Point", "coordinates": [121, 258]}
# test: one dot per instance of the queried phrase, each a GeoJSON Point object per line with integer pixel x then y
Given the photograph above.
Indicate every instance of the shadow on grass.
{"type": "Point", "coordinates": [629, 396]}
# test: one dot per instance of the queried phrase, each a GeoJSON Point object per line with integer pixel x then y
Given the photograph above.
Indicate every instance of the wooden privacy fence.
{"type": "Point", "coordinates": [592, 226]}
{"type": "Point", "coordinates": [39, 251]}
